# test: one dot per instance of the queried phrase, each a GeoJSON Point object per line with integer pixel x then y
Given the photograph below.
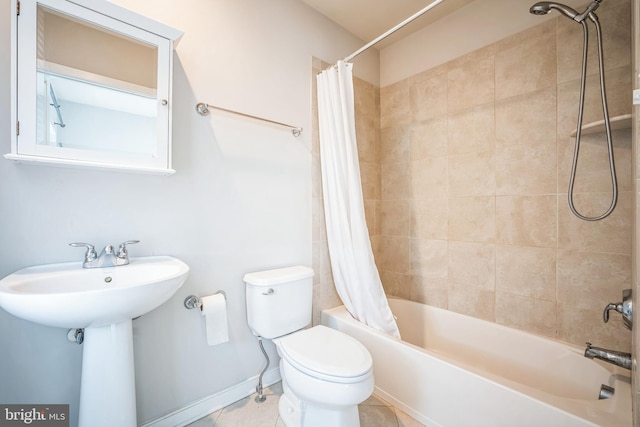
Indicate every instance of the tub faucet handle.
{"type": "Point", "coordinates": [625, 308]}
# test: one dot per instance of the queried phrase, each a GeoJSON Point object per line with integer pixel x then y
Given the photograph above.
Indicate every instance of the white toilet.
{"type": "Point", "coordinates": [325, 373]}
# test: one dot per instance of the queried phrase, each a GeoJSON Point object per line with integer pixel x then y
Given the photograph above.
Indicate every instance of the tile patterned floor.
{"type": "Point", "coordinates": [374, 412]}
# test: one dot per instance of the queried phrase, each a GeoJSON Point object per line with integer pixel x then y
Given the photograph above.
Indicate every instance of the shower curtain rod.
{"type": "Point", "coordinates": [393, 30]}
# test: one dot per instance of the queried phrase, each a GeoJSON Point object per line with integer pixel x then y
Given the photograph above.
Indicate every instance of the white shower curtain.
{"type": "Point", "coordinates": [354, 271]}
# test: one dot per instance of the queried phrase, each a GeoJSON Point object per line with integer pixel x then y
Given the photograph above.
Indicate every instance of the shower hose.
{"type": "Point", "coordinates": [612, 169]}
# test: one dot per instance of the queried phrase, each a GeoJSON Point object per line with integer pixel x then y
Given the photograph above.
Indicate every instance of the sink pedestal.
{"type": "Point", "coordinates": [107, 391]}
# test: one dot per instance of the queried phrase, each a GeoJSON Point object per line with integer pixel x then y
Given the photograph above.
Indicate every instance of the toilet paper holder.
{"type": "Point", "coordinates": [193, 301]}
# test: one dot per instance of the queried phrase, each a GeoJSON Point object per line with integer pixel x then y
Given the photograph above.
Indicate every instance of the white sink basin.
{"type": "Point", "coordinates": [69, 296]}
{"type": "Point", "coordinates": [103, 301]}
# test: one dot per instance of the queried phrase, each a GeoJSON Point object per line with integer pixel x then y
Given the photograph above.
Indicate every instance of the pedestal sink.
{"type": "Point", "coordinates": [103, 301]}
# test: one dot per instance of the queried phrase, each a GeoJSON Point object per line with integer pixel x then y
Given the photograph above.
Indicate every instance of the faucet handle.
{"type": "Point", "coordinates": [625, 308]}
{"type": "Point", "coordinates": [91, 253]}
{"type": "Point", "coordinates": [122, 249]}
{"type": "Point", "coordinates": [611, 306]}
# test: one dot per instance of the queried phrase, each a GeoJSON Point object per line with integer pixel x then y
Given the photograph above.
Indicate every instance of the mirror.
{"type": "Point", "coordinates": [96, 90]}
{"type": "Point", "coordinates": [93, 87]}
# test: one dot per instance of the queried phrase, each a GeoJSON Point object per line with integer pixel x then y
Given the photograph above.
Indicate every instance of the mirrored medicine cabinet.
{"type": "Point", "coordinates": [91, 86]}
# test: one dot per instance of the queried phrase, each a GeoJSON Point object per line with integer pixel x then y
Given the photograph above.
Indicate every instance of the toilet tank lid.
{"type": "Point", "coordinates": [278, 276]}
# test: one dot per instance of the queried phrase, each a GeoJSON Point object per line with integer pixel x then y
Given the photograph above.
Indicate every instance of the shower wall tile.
{"type": "Point", "coordinates": [526, 220]}
{"type": "Point", "coordinates": [428, 96]}
{"type": "Point", "coordinates": [526, 271]}
{"type": "Point", "coordinates": [316, 177]}
{"type": "Point", "coordinates": [469, 59]}
{"type": "Point", "coordinates": [428, 138]}
{"type": "Point", "coordinates": [428, 178]}
{"type": "Point", "coordinates": [635, 135]}
{"type": "Point", "coordinates": [483, 181]}
{"type": "Point", "coordinates": [472, 219]}
{"type": "Point", "coordinates": [526, 169]}
{"type": "Point", "coordinates": [428, 290]}
{"type": "Point", "coordinates": [472, 174]}
{"type": "Point", "coordinates": [522, 38]}
{"type": "Point", "coordinates": [370, 179]}
{"type": "Point", "coordinates": [430, 218]}
{"type": "Point", "coordinates": [526, 119]}
{"type": "Point", "coordinates": [364, 97]}
{"type": "Point", "coordinates": [429, 258]}
{"type": "Point", "coordinates": [471, 84]}
{"type": "Point", "coordinates": [615, 22]}
{"type": "Point", "coordinates": [472, 264]}
{"type": "Point", "coordinates": [472, 301]}
{"type": "Point", "coordinates": [616, 3]}
{"type": "Point", "coordinates": [376, 245]}
{"type": "Point", "coordinates": [528, 314]}
{"type": "Point", "coordinates": [592, 174]}
{"type": "Point", "coordinates": [395, 144]}
{"type": "Point", "coordinates": [324, 295]}
{"type": "Point", "coordinates": [592, 279]}
{"type": "Point", "coordinates": [396, 284]}
{"type": "Point", "coordinates": [578, 325]}
{"type": "Point", "coordinates": [618, 84]}
{"type": "Point", "coordinates": [527, 66]}
{"type": "Point", "coordinates": [570, 45]}
{"type": "Point", "coordinates": [619, 94]}
{"type": "Point", "coordinates": [316, 260]}
{"type": "Point", "coordinates": [472, 130]}
{"type": "Point", "coordinates": [318, 228]}
{"type": "Point", "coordinates": [395, 218]}
{"type": "Point", "coordinates": [396, 181]}
{"type": "Point", "coordinates": [367, 139]}
{"type": "Point", "coordinates": [396, 254]}
{"type": "Point", "coordinates": [612, 234]}
{"type": "Point", "coordinates": [394, 105]}
{"type": "Point", "coordinates": [371, 216]}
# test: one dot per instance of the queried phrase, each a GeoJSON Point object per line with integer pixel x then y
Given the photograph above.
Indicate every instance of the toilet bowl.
{"type": "Point", "coordinates": [325, 375]}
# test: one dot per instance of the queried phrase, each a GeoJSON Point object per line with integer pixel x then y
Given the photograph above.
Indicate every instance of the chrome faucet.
{"type": "Point", "coordinates": [625, 308]}
{"type": "Point", "coordinates": [617, 358]}
{"type": "Point", "coordinates": [108, 257]}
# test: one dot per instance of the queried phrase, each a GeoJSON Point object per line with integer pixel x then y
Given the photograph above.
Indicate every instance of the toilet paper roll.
{"type": "Point", "coordinates": [214, 310]}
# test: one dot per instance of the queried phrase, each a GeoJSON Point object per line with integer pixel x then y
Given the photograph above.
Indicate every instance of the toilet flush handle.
{"type": "Point", "coordinates": [269, 291]}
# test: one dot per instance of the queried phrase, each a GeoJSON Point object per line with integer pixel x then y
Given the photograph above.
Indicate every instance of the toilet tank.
{"type": "Point", "coordinates": [279, 301]}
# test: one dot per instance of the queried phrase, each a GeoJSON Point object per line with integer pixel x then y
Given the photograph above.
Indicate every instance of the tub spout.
{"type": "Point", "coordinates": [617, 358]}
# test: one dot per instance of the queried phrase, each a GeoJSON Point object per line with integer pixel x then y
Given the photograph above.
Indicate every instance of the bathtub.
{"type": "Point", "coordinates": [452, 370]}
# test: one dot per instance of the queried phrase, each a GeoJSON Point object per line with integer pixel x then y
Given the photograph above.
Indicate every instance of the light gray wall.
{"type": "Point", "coordinates": [240, 201]}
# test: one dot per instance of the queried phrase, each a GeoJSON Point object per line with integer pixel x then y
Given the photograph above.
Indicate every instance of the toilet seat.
{"type": "Point", "coordinates": [327, 354]}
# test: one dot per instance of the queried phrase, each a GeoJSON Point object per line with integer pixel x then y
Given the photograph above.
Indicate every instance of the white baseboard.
{"type": "Point", "coordinates": [207, 405]}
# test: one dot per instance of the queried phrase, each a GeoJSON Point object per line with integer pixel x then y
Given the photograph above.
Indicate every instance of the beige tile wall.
{"type": "Point", "coordinates": [465, 171]}
{"type": "Point", "coordinates": [475, 158]}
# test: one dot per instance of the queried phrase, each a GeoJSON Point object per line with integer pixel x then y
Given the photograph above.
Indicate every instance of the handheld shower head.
{"type": "Point", "coordinates": [540, 8]}
{"type": "Point", "coordinates": [544, 7]}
